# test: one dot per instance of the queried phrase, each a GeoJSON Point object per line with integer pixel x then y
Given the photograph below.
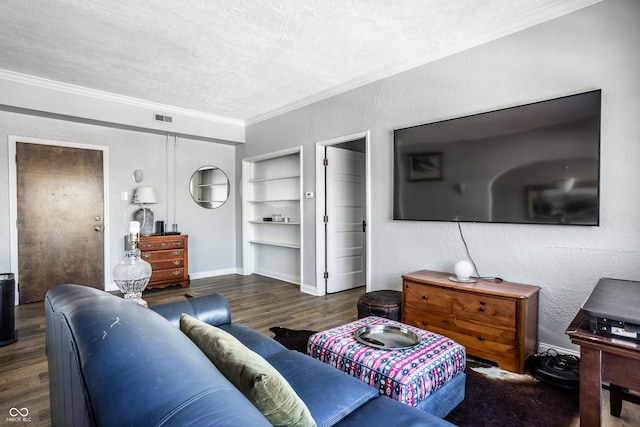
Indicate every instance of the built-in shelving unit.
{"type": "Point", "coordinates": [272, 215]}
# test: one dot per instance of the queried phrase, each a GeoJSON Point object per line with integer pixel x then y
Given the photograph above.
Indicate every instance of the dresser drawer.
{"type": "Point", "coordinates": [427, 297]}
{"type": "Point", "coordinates": [449, 324]}
{"type": "Point", "coordinates": [487, 349]}
{"type": "Point", "coordinates": [484, 308]}
{"type": "Point", "coordinates": [163, 275]}
{"type": "Point", "coordinates": [159, 245]}
{"type": "Point", "coordinates": [154, 256]}
{"type": "Point", "coordinates": [164, 265]}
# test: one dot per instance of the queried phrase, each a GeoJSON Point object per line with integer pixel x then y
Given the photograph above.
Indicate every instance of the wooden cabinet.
{"type": "Point", "coordinates": [272, 215]}
{"type": "Point", "coordinates": [169, 259]}
{"type": "Point", "coordinates": [494, 320]}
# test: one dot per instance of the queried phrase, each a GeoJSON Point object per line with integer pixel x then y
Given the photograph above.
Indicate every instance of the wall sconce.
{"type": "Point", "coordinates": [138, 176]}
{"type": "Point", "coordinates": [145, 196]}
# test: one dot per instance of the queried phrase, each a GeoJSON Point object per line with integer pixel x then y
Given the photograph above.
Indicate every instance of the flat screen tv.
{"type": "Point", "coordinates": [537, 163]}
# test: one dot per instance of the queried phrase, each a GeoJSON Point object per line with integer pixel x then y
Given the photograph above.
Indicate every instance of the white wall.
{"type": "Point", "coordinates": [211, 232]}
{"type": "Point", "coordinates": [589, 49]}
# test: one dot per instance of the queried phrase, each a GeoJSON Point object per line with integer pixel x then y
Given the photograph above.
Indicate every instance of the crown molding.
{"type": "Point", "coordinates": [107, 96]}
{"type": "Point", "coordinates": [540, 16]}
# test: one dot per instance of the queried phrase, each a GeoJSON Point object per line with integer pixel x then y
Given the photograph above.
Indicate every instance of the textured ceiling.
{"type": "Point", "coordinates": [243, 59]}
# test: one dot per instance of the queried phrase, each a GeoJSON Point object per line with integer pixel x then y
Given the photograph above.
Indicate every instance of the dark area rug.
{"type": "Point", "coordinates": [490, 402]}
{"type": "Point", "coordinates": [292, 339]}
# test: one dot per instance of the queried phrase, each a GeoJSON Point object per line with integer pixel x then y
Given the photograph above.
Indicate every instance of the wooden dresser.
{"type": "Point", "coordinates": [169, 259]}
{"type": "Point", "coordinates": [496, 321]}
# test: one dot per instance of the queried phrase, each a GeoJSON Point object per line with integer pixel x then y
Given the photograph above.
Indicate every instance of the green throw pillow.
{"type": "Point", "coordinates": [265, 387]}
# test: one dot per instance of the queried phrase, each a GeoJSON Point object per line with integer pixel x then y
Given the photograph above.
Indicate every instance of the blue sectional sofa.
{"type": "Point", "coordinates": [115, 363]}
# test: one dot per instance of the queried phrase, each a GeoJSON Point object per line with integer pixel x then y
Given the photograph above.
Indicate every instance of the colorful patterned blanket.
{"type": "Point", "coordinates": [409, 375]}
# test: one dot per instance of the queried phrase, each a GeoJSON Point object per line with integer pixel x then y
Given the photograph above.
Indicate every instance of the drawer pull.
{"type": "Point", "coordinates": [177, 243]}
{"type": "Point", "coordinates": [147, 245]}
{"type": "Point", "coordinates": [176, 262]}
{"type": "Point", "coordinates": [176, 272]}
{"type": "Point", "coordinates": [176, 253]}
{"type": "Point", "coordinates": [481, 308]}
{"type": "Point", "coordinates": [146, 256]}
{"type": "Point", "coordinates": [425, 297]}
{"type": "Point", "coordinates": [424, 323]}
{"type": "Point", "coordinates": [163, 244]}
{"type": "Point", "coordinates": [480, 338]}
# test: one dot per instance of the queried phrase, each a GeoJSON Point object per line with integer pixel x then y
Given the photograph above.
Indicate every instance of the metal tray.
{"type": "Point", "coordinates": [387, 337]}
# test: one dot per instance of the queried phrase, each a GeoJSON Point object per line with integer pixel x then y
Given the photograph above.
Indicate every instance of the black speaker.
{"type": "Point", "coordinates": [561, 370]}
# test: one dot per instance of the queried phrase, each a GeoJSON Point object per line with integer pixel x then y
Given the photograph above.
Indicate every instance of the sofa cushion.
{"type": "Point", "coordinates": [250, 373]}
{"type": "Point", "coordinates": [329, 393]}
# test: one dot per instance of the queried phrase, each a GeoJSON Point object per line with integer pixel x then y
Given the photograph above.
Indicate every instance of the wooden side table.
{"type": "Point", "coordinates": [603, 359]}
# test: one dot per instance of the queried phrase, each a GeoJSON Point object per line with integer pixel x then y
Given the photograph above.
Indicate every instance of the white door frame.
{"type": "Point", "coordinates": [321, 288]}
{"type": "Point", "coordinates": [13, 199]}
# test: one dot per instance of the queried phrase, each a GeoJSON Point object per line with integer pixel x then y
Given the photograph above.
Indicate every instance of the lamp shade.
{"type": "Point", "coordinates": [145, 195]}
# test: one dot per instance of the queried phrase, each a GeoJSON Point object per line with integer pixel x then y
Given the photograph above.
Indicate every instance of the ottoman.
{"type": "Point", "coordinates": [429, 375]}
{"type": "Point", "coordinates": [380, 303]}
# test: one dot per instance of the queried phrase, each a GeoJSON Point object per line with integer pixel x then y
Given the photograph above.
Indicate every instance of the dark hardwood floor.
{"type": "Point", "coordinates": [256, 301]}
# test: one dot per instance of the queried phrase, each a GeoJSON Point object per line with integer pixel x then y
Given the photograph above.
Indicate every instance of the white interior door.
{"type": "Point", "coordinates": [345, 226]}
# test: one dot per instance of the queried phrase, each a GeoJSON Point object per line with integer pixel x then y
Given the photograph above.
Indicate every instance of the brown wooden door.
{"type": "Point", "coordinates": [60, 218]}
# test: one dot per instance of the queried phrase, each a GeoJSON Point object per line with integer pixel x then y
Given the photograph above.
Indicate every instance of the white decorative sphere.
{"type": "Point", "coordinates": [463, 270]}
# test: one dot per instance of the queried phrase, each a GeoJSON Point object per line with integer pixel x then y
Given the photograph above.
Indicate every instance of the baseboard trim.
{"type": "Point", "coordinates": [278, 276]}
{"type": "Point", "coordinates": [212, 273]}
{"type": "Point", "coordinates": [309, 289]}
{"type": "Point", "coordinates": [544, 347]}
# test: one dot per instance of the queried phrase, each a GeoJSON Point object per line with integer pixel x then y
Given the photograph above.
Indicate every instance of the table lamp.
{"type": "Point", "coordinates": [144, 196]}
{"type": "Point", "coordinates": [132, 274]}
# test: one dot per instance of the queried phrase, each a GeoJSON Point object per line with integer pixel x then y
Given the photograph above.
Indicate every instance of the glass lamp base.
{"type": "Point", "coordinates": [136, 297]}
{"type": "Point", "coordinates": [132, 275]}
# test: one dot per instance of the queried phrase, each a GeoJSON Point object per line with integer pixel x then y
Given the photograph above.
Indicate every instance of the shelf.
{"type": "Point", "coordinates": [273, 180]}
{"type": "Point", "coordinates": [282, 245]}
{"type": "Point", "coordinates": [274, 222]}
{"type": "Point", "coordinates": [274, 201]}
{"type": "Point", "coordinates": [211, 185]}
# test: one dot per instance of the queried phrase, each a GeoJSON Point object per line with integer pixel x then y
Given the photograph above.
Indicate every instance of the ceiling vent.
{"type": "Point", "coordinates": [163, 118]}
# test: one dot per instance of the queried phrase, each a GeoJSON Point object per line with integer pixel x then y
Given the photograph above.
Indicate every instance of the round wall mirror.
{"type": "Point", "coordinates": [209, 187]}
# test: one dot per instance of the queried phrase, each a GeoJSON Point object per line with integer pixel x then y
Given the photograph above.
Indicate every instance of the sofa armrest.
{"type": "Point", "coordinates": [212, 309]}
